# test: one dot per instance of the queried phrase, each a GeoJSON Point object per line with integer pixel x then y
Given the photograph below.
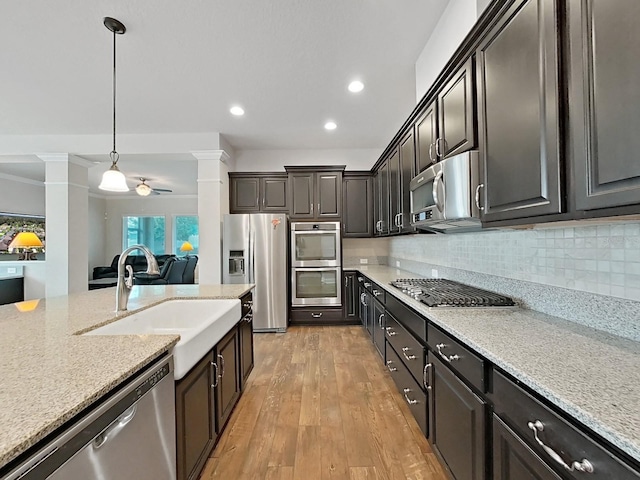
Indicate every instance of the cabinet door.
{"type": "Point", "coordinates": [328, 195]}
{"type": "Point", "coordinates": [245, 195]}
{"type": "Point", "coordinates": [457, 426]}
{"type": "Point", "coordinates": [274, 194]}
{"type": "Point", "coordinates": [362, 304]}
{"type": "Point", "coordinates": [382, 220]}
{"type": "Point", "coordinates": [195, 419]}
{"type": "Point", "coordinates": [394, 192]}
{"type": "Point", "coordinates": [228, 388]}
{"type": "Point", "coordinates": [518, 113]}
{"type": "Point", "coordinates": [456, 119]}
{"type": "Point", "coordinates": [368, 304]}
{"type": "Point", "coordinates": [426, 134]}
{"type": "Point", "coordinates": [407, 165]}
{"type": "Point", "coordinates": [350, 295]}
{"type": "Point", "coordinates": [512, 458]}
{"type": "Point", "coordinates": [378, 324]}
{"type": "Point", "coordinates": [357, 203]}
{"type": "Point", "coordinates": [302, 198]}
{"type": "Point", "coordinates": [603, 102]}
{"type": "Point", "coordinates": [245, 334]}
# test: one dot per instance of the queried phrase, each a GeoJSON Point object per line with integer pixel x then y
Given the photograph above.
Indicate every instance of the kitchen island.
{"type": "Point", "coordinates": [590, 375]}
{"type": "Point", "coordinates": [50, 373]}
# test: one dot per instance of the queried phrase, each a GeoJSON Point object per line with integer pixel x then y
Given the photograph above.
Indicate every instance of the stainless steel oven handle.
{"type": "Point", "coordinates": [584, 465]}
{"type": "Point", "coordinates": [436, 199]}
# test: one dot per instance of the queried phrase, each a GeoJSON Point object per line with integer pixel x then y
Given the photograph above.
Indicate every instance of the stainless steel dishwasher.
{"type": "Point", "coordinates": [131, 435]}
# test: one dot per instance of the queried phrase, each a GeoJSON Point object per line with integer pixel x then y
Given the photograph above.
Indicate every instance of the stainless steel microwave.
{"type": "Point", "coordinates": [445, 197]}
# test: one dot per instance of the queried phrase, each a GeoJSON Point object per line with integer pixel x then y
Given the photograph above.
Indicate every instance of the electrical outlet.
{"type": "Point", "coordinates": [397, 263]}
{"type": "Point", "coordinates": [434, 273]}
{"type": "Point", "coordinates": [364, 261]}
{"type": "Point", "coordinates": [11, 270]}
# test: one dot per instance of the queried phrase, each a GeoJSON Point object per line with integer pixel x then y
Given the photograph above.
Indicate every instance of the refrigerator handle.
{"type": "Point", "coordinates": [250, 254]}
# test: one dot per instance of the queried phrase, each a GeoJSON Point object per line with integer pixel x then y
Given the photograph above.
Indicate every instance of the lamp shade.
{"type": "Point", "coordinates": [25, 240]}
{"type": "Point", "coordinates": [186, 247]}
{"type": "Point", "coordinates": [113, 180]}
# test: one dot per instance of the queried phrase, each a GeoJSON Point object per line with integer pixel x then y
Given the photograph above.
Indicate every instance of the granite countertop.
{"type": "Point", "coordinates": [591, 375]}
{"type": "Point", "coordinates": [50, 373]}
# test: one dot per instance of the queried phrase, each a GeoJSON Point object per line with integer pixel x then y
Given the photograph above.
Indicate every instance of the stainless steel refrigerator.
{"type": "Point", "coordinates": [255, 250]}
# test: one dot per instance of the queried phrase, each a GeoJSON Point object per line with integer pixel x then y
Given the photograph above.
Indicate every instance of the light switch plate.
{"type": "Point", "coordinates": [364, 261]}
{"type": "Point", "coordinates": [397, 263]}
{"type": "Point", "coordinates": [434, 273]}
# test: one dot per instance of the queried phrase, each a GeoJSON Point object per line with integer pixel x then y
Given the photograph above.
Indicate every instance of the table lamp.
{"type": "Point", "coordinates": [26, 241]}
{"type": "Point", "coordinates": [186, 247]}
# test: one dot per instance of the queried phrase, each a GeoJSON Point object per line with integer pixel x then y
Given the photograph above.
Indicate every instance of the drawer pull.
{"type": "Point", "coordinates": [446, 358]}
{"type": "Point", "coordinates": [424, 376]}
{"type": "Point", "coordinates": [391, 369]}
{"type": "Point", "coordinates": [367, 284]}
{"type": "Point", "coordinates": [376, 293]}
{"type": "Point", "coordinates": [409, 401]}
{"type": "Point", "coordinates": [582, 466]}
{"type": "Point", "coordinates": [380, 320]}
{"type": "Point", "coordinates": [247, 304]}
{"type": "Point", "coordinates": [214, 374]}
{"type": "Point", "coordinates": [408, 357]}
{"type": "Point", "coordinates": [390, 332]}
{"type": "Point", "coordinates": [316, 315]}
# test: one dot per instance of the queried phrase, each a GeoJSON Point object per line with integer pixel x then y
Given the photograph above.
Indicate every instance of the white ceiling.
{"type": "Point", "coordinates": [182, 64]}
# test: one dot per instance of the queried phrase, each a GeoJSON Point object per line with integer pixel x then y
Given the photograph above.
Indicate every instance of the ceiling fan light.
{"type": "Point", "coordinates": [113, 180]}
{"type": "Point", "coordinates": [143, 190]}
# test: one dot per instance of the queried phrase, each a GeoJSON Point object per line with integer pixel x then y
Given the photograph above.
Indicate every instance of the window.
{"type": "Point", "coordinates": [148, 231]}
{"type": "Point", "coordinates": [185, 229]}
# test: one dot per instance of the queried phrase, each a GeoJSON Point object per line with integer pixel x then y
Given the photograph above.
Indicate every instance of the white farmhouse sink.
{"type": "Point", "coordinates": [200, 323]}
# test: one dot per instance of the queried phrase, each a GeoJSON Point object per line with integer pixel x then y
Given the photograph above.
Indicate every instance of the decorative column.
{"type": "Point", "coordinates": [213, 203]}
{"type": "Point", "coordinates": [67, 223]}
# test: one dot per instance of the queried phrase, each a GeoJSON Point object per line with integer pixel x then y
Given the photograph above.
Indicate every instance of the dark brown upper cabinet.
{"type": "Point", "coordinates": [395, 180]}
{"type": "Point", "coordinates": [315, 192]}
{"type": "Point", "coordinates": [407, 172]}
{"type": "Point", "coordinates": [357, 204]}
{"type": "Point", "coordinates": [604, 101]}
{"type": "Point", "coordinates": [381, 200]}
{"type": "Point", "coordinates": [257, 192]}
{"type": "Point", "coordinates": [456, 119]}
{"type": "Point", "coordinates": [426, 135]}
{"type": "Point", "coordinates": [518, 113]}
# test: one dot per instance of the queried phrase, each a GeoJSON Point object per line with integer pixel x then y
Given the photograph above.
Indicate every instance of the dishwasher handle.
{"type": "Point", "coordinates": [112, 430]}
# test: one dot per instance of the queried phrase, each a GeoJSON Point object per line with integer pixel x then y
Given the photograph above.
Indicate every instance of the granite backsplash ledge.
{"type": "Point", "coordinates": [610, 314]}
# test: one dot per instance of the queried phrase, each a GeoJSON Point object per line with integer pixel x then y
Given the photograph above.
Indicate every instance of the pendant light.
{"type": "Point", "coordinates": [113, 180]}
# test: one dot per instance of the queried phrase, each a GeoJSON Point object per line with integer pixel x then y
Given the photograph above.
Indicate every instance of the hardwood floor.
{"type": "Point", "coordinates": [320, 405]}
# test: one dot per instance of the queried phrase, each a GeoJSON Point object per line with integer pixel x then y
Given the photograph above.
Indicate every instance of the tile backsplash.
{"type": "Point", "coordinates": [602, 259]}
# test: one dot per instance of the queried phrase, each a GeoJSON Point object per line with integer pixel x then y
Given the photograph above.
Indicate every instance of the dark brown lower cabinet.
{"type": "Point", "coordinates": [196, 431]}
{"type": "Point", "coordinates": [378, 326]}
{"type": "Point", "coordinates": [245, 334]}
{"type": "Point", "coordinates": [457, 423]}
{"type": "Point", "coordinates": [512, 458]}
{"type": "Point", "coordinates": [228, 389]}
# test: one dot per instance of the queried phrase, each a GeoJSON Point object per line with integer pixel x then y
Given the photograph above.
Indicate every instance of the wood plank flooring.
{"type": "Point", "coordinates": [320, 405]}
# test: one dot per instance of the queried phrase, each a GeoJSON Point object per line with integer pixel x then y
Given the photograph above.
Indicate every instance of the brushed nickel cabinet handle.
{"type": "Point", "coordinates": [431, 160]}
{"type": "Point", "coordinates": [391, 369]}
{"type": "Point", "coordinates": [316, 315]}
{"type": "Point", "coordinates": [409, 401]}
{"type": "Point", "coordinates": [582, 466]}
{"type": "Point", "coordinates": [380, 320]}
{"type": "Point", "coordinates": [424, 376]}
{"type": "Point", "coordinates": [222, 366]}
{"type": "Point", "coordinates": [478, 196]}
{"type": "Point", "coordinates": [390, 331]}
{"type": "Point", "coordinates": [408, 357]}
{"type": "Point", "coordinates": [446, 358]}
{"type": "Point", "coordinates": [214, 372]}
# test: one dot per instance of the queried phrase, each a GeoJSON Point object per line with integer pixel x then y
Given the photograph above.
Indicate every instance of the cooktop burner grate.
{"type": "Point", "coordinates": [439, 292]}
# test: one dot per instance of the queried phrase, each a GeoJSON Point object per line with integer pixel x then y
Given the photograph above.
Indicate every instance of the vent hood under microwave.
{"type": "Point", "coordinates": [445, 197]}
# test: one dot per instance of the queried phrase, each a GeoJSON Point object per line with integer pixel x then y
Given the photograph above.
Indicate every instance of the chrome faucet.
{"type": "Point", "coordinates": [125, 285]}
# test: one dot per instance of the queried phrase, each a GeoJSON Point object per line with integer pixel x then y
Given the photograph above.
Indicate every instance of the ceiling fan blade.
{"type": "Point", "coordinates": [162, 190]}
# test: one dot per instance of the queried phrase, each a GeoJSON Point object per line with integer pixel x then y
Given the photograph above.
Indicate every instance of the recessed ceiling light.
{"type": "Point", "coordinates": [356, 86]}
{"type": "Point", "coordinates": [330, 125]}
{"type": "Point", "coordinates": [237, 111]}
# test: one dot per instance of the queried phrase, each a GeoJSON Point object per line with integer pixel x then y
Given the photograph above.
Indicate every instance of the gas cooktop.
{"type": "Point", "coordinates": [439, 292]}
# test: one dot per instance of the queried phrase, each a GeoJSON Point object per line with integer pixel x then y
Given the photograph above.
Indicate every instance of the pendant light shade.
{"type": "Point", "coordinates": [113, 180]}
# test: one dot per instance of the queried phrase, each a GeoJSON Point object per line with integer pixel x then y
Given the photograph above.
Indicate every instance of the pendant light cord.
{"type": "Point", "coordinates": [114, 155]}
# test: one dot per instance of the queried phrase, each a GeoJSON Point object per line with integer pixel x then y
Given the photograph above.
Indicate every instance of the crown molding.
{"type": "Point", "coordinates": [16, 178]}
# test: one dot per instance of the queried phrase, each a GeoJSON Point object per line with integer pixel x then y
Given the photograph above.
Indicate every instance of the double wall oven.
{"type": "Point", "coordinates": [316, 264]}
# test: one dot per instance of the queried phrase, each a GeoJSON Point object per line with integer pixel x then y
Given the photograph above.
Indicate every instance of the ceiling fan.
{"type": "Point", "coordinates": [143, 189]}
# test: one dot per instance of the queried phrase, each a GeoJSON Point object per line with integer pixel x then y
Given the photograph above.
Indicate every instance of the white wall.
{"type": "Point", "coordinates": [97, 233]}
{"type": "Point", "coordinates": [21, 197]}
{"type": "Point", "coordinates": [167, 206]}
{"type": "Point", "coordinates": [454, 24]}
{"type": "Point", "coordinates": [275, 160]}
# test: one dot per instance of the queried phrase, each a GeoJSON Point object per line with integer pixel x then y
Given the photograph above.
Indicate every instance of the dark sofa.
{"type": "Point", "coordinates": [138, 264]}
{"type": "Point", "coordinates": [177, 270]}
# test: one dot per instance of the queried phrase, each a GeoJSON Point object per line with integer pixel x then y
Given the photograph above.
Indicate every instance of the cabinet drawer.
{"type": "Point", "coordinates": [406, 347]}
{"type": "Point", "coordinates": [460, 358]}
{"type": "Point", "coordinates": [409, 319]}
{"type": "Point", "coordinates": [414, 396]}
{"type": "Point", "coordinates": [518, 408]}
{"type": "Point", "coordinates": [316, 315]}
{"type": "Point", "coordinates": [246, 302]}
